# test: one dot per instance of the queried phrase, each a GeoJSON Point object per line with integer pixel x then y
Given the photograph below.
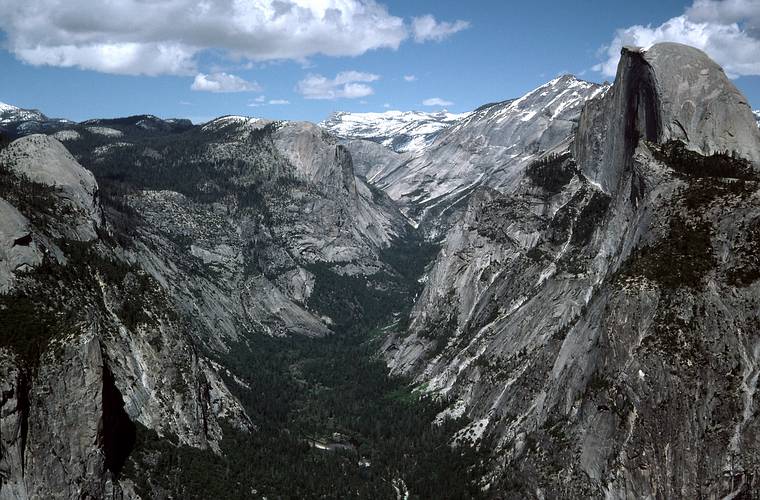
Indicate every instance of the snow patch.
{"type": "Point", "coordinates": [105, 131]}
{"type": "Point", "coordinates": [402, 131]}
{"type": "Point", "coordinates": [7, 107]}
{"type": "Point", "coordinates": [67, 135]}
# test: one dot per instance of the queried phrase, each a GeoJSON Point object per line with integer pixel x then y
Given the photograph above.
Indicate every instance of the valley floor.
{"type": "Point", "coordinates": [300, 391]}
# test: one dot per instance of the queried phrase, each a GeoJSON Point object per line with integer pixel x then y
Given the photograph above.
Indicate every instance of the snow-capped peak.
{"type": "Point", "coordinates": [14, 114]}
{"type": "Point", "coordinates": [4, 108]}
{"type": "Point", "coordinates": [402, 131]}
{"type": "Point", "coordinates": [490, 146]}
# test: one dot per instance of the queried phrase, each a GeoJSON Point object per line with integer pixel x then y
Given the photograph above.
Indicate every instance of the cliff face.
{"type": "Point", "coordinates": [599, 323]}
{"type": "Point", "coordinates": [669, 92]}
{"type": "Point", "coordinates": [91, 343]}
{"type": "Point", "coordinates": [593, 309]}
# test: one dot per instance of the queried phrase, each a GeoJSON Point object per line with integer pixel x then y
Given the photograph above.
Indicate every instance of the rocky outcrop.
{"type": "Point", "coordinates": [18, 250]}
{"type": "Point", "coordinates": [43, 160]}
{"type": "Point", "coordinates": [372, 159]}
{"type": "Point", "coordinates": [594, 323]}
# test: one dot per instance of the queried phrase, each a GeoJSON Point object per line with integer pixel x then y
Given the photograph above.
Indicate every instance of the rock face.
{"type": "Point", "coordinates": [372, 159]}
{"type": "Point", "coordinates": [43, 160]}
{"type": "Point", "coordinates": [697, 105]}
{"type": "Point", "coordinates": [91, 346]}
{"type": "Point", "coordinates": [598, 322]}
{"type": "Point", "coordinates": [592, 310]}
{"type": "Point", "coordinates": [18, 250]}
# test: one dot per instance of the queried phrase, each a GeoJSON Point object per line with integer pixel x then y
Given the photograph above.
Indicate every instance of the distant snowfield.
{"type": "Point", "coordinates": [402, 131]}
{"type": "Point", "coordinates": [10, 114]}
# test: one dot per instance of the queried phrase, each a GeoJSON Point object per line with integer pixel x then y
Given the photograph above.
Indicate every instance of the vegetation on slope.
{"type": "Point", "coordinates": [331, 390]}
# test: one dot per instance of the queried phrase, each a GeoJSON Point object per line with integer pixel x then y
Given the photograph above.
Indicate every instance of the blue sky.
{"type": "Point", "coordinates": [466, 54]}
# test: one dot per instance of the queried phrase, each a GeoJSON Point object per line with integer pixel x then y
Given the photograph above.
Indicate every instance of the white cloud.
{"type": "Point", "coordinates": [345, 85]}
{"type": "Point", "coordinates": [223, 82]}
{"type": "Point", "coordinates": [164, 37]}
{"type": "Point", "coordinates": [107, 57]}
{"type": "Point", "coordinates": [436, 101]}
{"type": "Point", "coordinates": [386, 105]}
{"type": "Point", "coordinates": [410, 78]}
{"type": "Point", "coordinates": [167, 37]}
{"type": "Point", "coordinates": [726, 12]}
{"type": "Point", "coordinates": [426, 28]}
{"type": "Point", "coordinates": [279, 102]}
{"type": "Point", "coordinates": [728, 31]}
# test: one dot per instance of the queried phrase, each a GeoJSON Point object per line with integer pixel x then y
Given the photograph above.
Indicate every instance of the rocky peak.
{"type": "Point", "coordinates": [668, 92]}
{"type": "Point", "coordinates": [10, 113]}
{"type": "Point", "coordinates": [316, 155]}
{"type": "Point", "coordinates": [575, 323]}
{"type": "Point", "coordinates": [699, 105]}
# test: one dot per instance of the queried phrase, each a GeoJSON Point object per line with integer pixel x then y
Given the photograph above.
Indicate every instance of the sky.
{"type": "Point", "coordinates": [304, 59]}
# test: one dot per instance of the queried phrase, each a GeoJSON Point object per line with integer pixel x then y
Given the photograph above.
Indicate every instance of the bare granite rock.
{"type": "Point", "coordinates": [598, 324]}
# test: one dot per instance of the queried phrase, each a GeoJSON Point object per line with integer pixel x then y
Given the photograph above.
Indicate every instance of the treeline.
{"type": "Point", "coordinates": [552, 172]}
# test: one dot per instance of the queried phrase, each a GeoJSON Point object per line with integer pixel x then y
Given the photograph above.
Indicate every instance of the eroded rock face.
{"type": "Point", "coordinates": [699, 105]}
{"type": "Point", "coordinates": [18, 250]}
{"type": "Point", "coordinates": [372, 159]}
{"type": "Point", "coordinates": [43, 160]}
{"type": "Point", "coordinates": [92, 346]}
{"type": "Point", "coordinates": [597, 326]}
{"type": "Point", "coordinates": [211, 238]}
